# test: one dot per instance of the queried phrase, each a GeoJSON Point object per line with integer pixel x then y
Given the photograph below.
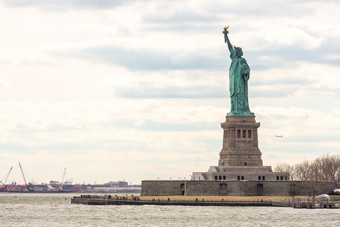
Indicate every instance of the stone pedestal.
{"type": "Point", "coordinates": [240, 142]}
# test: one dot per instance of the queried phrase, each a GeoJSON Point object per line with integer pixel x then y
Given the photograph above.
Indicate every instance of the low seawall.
{"type": "Point", "coordinates": [302, 202]}
{"type": "Point", "coordinates": [98, 200]}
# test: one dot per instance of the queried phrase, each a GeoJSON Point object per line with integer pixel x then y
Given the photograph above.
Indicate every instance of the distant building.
{"type": "Point", "coordinates": [116, 183]}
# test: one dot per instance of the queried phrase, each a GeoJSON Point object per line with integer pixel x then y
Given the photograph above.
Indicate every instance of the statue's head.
{"type": "Point", "coordinates": [238, 51]}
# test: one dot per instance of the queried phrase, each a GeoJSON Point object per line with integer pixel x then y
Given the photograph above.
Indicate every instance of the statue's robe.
{"type": "Point", "coordinates": [238, 85]}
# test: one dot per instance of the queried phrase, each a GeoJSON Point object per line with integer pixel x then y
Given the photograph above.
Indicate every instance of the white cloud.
{"type": "Point", "coordinates": [122, 93]}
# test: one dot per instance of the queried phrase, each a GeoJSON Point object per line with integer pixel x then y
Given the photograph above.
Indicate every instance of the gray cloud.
{"type": "Point", "coordinates": [16, 147]}
{"type": "Point", "coordinates": [148, 91]}
{"type": "Point", "coordinates": [148, 60]}
{"type": "Point", "coordinates": [150, 125]}
{"type": "Point", "coordinates": [182, 21]}
{"type": "Point", "coordinates": [272, 92]}
{"type": "Point", "coordinates": [179, 17]}
{"type": "Point", "coordinates": [201, 91]}
{"type": "Point", "coordinates": [263, 8]}
{"type": "Point", "coordinates": [189, 18]}
{"type": "Point", "coordinates": [299, 81]}
{"type": "Point", "coordinates": [287, 56]}
{"type": "Point", "coordinates": [315, 139]}
{"type": "Point", "coordinates": [290, 56]}
{"type": "Point", "coordinates": [145, 59]}
{"type": "Point", "coordinates": [183, 27]}
{"type": "Point", "coordinates": [242, 7]}
{"type": "Point", "coordinates": [67, 4]}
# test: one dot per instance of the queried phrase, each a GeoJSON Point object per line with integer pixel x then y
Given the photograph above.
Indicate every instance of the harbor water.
{"type": "Point", "coordinates": [33, 209]}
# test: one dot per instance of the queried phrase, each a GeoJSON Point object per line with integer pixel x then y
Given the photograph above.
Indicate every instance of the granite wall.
{"type": "Point", "coordinates": [233, 188]}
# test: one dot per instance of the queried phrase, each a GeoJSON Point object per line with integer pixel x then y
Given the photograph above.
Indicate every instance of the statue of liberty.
{"type": "Point", "coordinates": [238, 80]}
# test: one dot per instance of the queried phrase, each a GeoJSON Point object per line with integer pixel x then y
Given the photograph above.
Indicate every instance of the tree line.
{"type": "Point", "coordinates": [325, 168]}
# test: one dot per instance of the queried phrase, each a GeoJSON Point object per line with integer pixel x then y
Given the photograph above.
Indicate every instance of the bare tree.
{"type": "Point", "coordinates": [285, 167]}
{"type": "Point", "coordinates": [303, 171]}
{"type": "Point", "coordinates": [323, 169]}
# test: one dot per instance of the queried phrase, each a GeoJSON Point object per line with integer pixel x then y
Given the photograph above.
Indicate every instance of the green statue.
{"type": "Point", "coordinates": [238, 80]}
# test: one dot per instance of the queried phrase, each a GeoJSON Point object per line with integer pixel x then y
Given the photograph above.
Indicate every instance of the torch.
{"type": "Point", "coordinates": [225, 32]}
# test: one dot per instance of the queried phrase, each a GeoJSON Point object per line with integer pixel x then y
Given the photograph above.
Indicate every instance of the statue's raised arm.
{"type": "Point", "coordinates": [226, 38]}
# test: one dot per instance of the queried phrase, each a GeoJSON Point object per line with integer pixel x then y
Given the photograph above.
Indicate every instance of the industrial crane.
{"type": "Point", "coordinates": [23, 175]}
{"type": "Point", "coordinates": [28, 186]}
{"type": "Point", "coordinates": [6, 178]}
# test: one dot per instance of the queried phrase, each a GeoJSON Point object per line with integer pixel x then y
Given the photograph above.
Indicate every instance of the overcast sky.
{"type": "Point", "coordinates": [124, 89]}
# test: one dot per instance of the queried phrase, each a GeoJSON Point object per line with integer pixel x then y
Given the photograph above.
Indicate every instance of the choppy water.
{"type": "Point", "coordinates": [55, 210]}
